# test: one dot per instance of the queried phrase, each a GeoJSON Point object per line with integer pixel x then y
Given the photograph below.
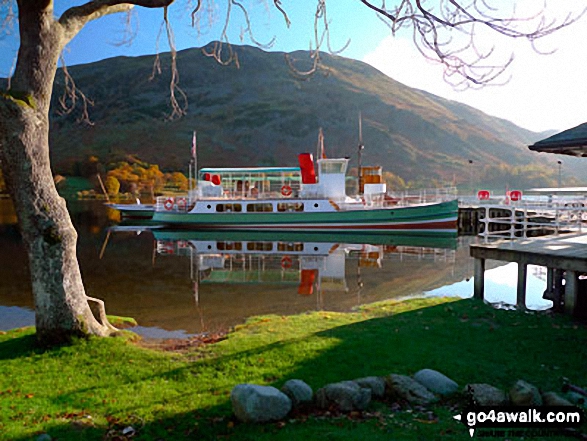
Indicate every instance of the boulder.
{"type": "Point", "coordinates": [258, 404]}
{"type": "Point", "coordinates": [554, 399]}
{"type": "Point", "coordinates": [346, 396]}
{"type": "Point", "coordinates": [406, 388]}
{"type": "Point", "coordinates": [575, 398]}
{"type": "Point", "coordinates": [376, 384]}
{"type": "Point", "coordinates": [298, 392]}
{"type": "Point", "coordinates": [523, 393]}
{"type": "Point", "coordinates": [436, 382]}
{"type": "Point", "coordinates": [486, 395]}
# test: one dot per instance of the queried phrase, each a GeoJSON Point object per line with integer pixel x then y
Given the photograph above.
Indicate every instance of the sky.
{"type": "Point", "coordinates": [539, 92]}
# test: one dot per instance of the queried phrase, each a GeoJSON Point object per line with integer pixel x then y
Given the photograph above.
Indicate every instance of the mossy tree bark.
{"type": "Point", "coordinates": [61, 305]}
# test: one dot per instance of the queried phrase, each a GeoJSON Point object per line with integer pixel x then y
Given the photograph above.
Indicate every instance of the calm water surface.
{"type": "Point", "coordinates": [177, 284]}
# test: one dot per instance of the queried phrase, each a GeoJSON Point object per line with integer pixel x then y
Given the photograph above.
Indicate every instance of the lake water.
{"type": "Point", "coordinates": [181, 283]}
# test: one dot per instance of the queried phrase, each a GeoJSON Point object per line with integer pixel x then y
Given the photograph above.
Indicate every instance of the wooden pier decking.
{"type": "Point", "coordinates": [564, 256]}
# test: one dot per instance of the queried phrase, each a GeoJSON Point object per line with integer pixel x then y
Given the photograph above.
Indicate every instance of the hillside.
{"type": "Point", "coordinates": [261, 114]}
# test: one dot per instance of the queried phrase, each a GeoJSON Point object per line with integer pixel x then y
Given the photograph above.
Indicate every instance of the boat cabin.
{"type": "Point", "coordinates": [286, 182]}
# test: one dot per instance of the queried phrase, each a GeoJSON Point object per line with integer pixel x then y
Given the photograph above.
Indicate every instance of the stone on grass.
{"type": "Point", "coordinates": [406, 388]}
{"type": "Point", "coordinates": [575, 398]}
{"type": "Point", "coordinates": [436, 382]}
{"type": "Point", "coordinates": [486, 395]}
{"type": "Point", "coordinates": [259, 404]}
{"type": "Point", "coordinates": [298, 392]}
{"type": "Point", "coordinates": [554, 399]}
{"type": "Point", "coordinates": [523, 393]}
{"type": "Point", "coordinates": [346, 396]}
{"type": "Point", "coordinates": [376, 384]}
{"type": "Point", "coordinates": [43, 437]}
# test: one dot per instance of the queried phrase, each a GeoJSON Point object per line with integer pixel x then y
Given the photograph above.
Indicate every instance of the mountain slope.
{"type": "Point", "coordinates": [261, 114]}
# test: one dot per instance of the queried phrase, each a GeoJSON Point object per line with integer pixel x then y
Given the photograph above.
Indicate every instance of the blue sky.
{"type": "Point", "coordinates": [542, 92]}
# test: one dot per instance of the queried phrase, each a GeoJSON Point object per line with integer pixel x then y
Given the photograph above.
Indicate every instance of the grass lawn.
{"type": "Point", "coordinates": [95, 389]}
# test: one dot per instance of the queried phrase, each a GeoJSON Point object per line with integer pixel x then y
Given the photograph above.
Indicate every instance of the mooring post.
{"type": "Point", "coordinates": [521, 293]}
{"type": "Point", "coordinates": [571, 291]}
{"type": "Point", "coordinates": [558, 288]}
{"type": "Point", "coordinates": [479, 284]}
{"type": "Point", "coordinates": [549, 291]}
{"type": "Point", "coordinates": [550, 280]}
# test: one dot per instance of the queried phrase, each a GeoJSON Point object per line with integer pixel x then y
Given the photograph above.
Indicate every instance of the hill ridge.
{"type": "Point", "coordinates": [261, 114]}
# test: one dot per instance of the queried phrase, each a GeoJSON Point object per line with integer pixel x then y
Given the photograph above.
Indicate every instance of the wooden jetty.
{"type": "Point", "coordinates": [564, 256]}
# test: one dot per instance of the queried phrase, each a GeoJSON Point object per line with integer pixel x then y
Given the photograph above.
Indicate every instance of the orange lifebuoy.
{"type": "Point", "coordinates": [286, 262]}
{"type": "Point", "coordinates": [181, 203]}
{"type": "Point", "coordinates": [286, 190]}
{"type": "Point", "coordinates": [168, 204]}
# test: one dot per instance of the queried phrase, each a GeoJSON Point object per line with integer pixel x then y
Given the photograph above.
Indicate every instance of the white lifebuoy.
{"type": "Point", "coordinates": [168, 204]}
{"type": "Point", "coordinates": [286, 190]}
{"type": "Point", "coordinates": [181, 203]}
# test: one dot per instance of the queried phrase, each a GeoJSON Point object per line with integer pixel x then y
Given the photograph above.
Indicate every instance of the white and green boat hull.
{"type": "Point", "coordinates": [429, 218]}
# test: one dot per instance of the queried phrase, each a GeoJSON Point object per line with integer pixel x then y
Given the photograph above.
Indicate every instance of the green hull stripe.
{"type": "Point", "coordinates": [425, 213]}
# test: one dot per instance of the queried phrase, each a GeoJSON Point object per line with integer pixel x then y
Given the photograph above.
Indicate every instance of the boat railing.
{"type": "Point", "coordinates": [420, 196]}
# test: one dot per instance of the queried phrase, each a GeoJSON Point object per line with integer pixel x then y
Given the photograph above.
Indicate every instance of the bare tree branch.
{"type": "Point", "coordinates": [74, 19]}
{"type": "Point", "coordinates": [68, 99]}
{"type": "Point", "coordinates": [439, 26]}
{"type": "Point", "coordinates": [177, 110]}
{"type": "Point", "coordinates": [321, 34]}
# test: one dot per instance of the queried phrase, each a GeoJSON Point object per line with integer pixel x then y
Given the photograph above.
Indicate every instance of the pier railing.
{"type": "Point", "coordinates": [526, 218]}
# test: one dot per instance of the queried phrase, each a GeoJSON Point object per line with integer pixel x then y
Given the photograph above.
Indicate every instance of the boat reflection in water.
{"type": "Point", "coordinates": [310, 264]}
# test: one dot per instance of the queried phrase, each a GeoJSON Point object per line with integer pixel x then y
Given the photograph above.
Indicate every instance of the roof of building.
{"type": "Point", "coordinates": [569, 142]}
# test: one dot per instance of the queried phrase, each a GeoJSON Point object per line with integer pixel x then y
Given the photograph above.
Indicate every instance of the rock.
{"type": "Point", "coordinates": [376, 384]}
{"type": "Point", "coordinates": [436, 382]}
{"type": "Point", "coordinates": [486, 395]}
{"type": "Point", "coordinates": [298, 392]}
{"type": "Point", "coordinates": [43, 437]}
{"type": "Point", "coordinates": [554, 399]}
{"type": "Point", "coordinates": [346, 395]}
{"type": "Point", "coordinates": [575, 398]}
{"type": "Point", "coordinates": [406, 388]}
{"type": "Point", "coordinates": [258, 404]}
{"type": "Point", "coordinates": [523, 393]}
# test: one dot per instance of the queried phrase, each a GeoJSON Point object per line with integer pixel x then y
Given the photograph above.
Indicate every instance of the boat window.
{"type": "Point", "coordinates": [229, 246]}
{"type": "Point", "coordinates": [333, 167]}
{"type": "Point", "coordinates": [255, 208]}
{"type": "Point", "coordinates": [290, 206]}
{"type": "Point", "coordinates": [289, 246]}
{"type": "Point", "coordinates": [229, 208]}
{"type": "Point", "coordinates": [260, 246]}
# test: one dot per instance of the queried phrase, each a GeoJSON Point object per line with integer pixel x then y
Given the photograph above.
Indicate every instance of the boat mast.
{"type": "Point", "coordinates": [194, 162]}
{"type": "Point", "coordinates": [360, 149]}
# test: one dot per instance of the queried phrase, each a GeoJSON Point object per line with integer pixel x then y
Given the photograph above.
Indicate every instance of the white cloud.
{"type": "Point", "coordinates": [544, 91]}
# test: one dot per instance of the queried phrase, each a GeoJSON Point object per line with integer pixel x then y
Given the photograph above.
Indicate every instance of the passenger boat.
{"type": "Point", "coordinates": [299, 199]}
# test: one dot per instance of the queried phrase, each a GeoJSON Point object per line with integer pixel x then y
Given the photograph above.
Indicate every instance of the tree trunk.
{"type": "Point", "coordinates": [61, 305]}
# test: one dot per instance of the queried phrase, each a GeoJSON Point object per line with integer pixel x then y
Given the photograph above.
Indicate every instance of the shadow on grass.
{"type": "Point", "coordinates": [466, 340]}
{"type": "Point", "coordinates": [21, 346]}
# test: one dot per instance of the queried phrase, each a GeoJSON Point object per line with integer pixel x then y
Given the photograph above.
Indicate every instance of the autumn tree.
{"type": "Point", "coordinates": [61, 305]}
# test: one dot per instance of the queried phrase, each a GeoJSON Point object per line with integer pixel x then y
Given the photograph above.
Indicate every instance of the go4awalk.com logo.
{"type": "Point", "coordinates": [528, 421]}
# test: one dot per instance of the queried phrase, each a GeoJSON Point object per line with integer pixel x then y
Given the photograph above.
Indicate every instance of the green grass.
{"type": "Point", "coordinates": [94, 389]}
